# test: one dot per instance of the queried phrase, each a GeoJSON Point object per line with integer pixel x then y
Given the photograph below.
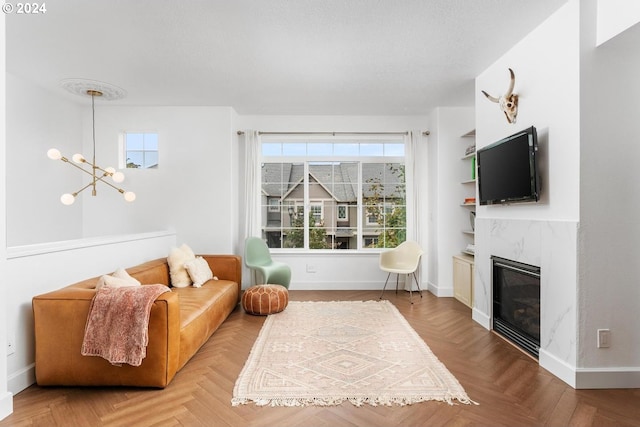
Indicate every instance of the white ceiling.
{"type": "Point", "coordinates": [364, 57]}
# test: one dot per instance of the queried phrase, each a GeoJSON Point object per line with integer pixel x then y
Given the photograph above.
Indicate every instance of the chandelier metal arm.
{"type": "Point", "coordinates": [99, 178]}
{"type": "Point", "coordinates": [93, 184]}
{"type": "Point", "coordinates": [75, 194]}
{"type": "Point", "coordinates": [64, 159]}
{"type": "Point", "coordinates": [95, 177]}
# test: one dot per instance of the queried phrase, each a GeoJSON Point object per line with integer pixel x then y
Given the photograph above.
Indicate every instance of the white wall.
{"type": "Point", "coordinates": [237, 186]}
{"type": "Point", "coordinates": [614, 17]}
{"type": "Point", "coordinates": [338, 271]}
{"type": "Point", "coordinates": [191, 191]}
{"type": "Point", "coordinates": [37, 120]}
{"type": "Point", "coordinates": [6, 399]}
{"type": "Point", "coordinates": [447, 170]}
{"type": "Point", "coordinates": [547, 69]}
{"type": "Point", "coordinates": [584, 233]}
{"type": "Point", "coordinates": [609, 295]}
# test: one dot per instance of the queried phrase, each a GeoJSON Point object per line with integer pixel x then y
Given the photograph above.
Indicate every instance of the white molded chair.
{"type": "Point", "coordinates": [403, 259]}
{"type": "Point", "coordinates": [258, 259]}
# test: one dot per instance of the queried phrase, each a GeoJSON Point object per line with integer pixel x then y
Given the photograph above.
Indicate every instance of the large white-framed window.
{"type": "Point", "coordinates": [337, 193]}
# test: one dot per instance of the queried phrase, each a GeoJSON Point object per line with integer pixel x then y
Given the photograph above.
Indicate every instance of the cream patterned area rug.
{"type": "Point", "coordinates": [325, 353]}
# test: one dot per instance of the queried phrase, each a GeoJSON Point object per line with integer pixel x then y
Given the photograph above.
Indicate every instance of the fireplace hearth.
{"type": "Point", "coordinates": [516, 303]}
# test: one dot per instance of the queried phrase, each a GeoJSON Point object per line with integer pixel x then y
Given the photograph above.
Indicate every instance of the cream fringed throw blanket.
{"type": "Point", "coordinates": [118, 323]}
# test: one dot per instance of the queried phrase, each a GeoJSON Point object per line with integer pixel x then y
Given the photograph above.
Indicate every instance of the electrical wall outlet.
{"type": "Point", "coordinates": [10, 347]}
{"type": "Point", "coordinates": [604, 338]}
{"type": "Point", "coordinates": [311, 268]}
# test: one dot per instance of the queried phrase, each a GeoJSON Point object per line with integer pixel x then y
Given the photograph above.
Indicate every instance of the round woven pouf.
{"type": "Point", "coordinates": [262, 300]}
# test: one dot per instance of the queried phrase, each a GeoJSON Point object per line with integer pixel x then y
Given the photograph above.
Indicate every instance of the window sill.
{"type": "Point", "coordinates": [323, 252]}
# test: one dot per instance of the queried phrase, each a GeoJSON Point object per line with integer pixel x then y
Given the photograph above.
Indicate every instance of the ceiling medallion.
{"type": "Point", "coordinates": [83, 86]}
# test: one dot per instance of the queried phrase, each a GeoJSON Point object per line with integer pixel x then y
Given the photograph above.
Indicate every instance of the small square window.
{"type": "Point", "coordinates": [274, 205]}
{"type": "Point", "coordinates": [141, 150]}
{"type": "Point", "coordinates": [343, 213]}
{"type": "Point", "coordinates": [372, 218]}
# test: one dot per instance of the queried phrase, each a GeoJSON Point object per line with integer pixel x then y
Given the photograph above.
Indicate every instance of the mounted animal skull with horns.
{"type": "Point", "coordinates": [508, 102]}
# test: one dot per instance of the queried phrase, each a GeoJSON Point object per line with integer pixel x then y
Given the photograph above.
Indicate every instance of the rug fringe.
{"type": "Point", "coordinates": [356, 401]}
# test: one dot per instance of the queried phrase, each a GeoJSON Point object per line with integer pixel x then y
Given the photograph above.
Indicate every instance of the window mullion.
{"type": "Point", "coordinates": [360, 209]}
{"type": "Point", "coordinates": [307, 206]}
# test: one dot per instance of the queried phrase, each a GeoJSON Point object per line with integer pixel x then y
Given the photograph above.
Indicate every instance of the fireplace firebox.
{"type": "Point", "coordinates": [516, 303]}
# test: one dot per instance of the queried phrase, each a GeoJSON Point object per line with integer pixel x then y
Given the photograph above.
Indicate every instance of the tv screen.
{"type": "Point", "coordinates": [508, 170]}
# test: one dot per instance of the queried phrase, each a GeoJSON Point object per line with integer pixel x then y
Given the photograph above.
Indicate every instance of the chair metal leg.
{"type": "Point", "coordinates": [411, 287]}
{"type": "Point", "coordinates": [417, 284]}
{"type": "Point", "coordinates": [385, 285]}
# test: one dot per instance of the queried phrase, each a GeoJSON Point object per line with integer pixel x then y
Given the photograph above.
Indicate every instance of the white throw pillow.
{"type": "Point", "coordinates": [121, 273]}
{"type": "Point", "coordinates": [118, 279]}
{"type": "Point", "coordinates": [199, 271]}
{"type": "Point", "coordinates": [114, 282]}
{"type": "Point", "coordinates": [176, 260]}
{"type": "Point", "coordinates": [188, 251]}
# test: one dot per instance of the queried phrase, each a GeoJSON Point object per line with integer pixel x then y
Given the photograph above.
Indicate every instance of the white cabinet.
{"type": "Point", "coordinates": [463, 271]}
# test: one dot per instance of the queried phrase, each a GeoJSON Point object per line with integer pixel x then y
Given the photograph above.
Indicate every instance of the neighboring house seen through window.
{"type": "Point", "coordinates": [333, 194]}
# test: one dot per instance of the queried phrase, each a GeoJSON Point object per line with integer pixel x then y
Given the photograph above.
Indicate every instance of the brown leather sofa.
{"type": "Point", "coordinates": [181, 321]}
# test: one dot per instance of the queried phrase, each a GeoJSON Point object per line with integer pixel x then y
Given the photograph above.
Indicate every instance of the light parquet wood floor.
{"type": "Point", "coordinates": [510, 387]}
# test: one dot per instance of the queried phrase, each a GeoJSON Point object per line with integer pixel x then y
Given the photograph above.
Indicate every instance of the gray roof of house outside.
{"type": "Point", "coordinates": [340, 179]}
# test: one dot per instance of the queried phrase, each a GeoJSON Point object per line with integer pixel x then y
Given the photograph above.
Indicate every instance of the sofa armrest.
{"type": "Point", "coordinates": [226, 267]}
{"type": "Point", "coordinates": [59, 321]}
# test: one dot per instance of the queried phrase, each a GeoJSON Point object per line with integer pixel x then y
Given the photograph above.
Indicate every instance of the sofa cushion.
{"type": "Point", "coordinates": [201, 311]}
{"type": "Point", "coordinates": [176, 260]}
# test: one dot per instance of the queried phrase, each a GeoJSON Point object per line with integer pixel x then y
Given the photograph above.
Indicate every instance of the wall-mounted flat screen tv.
{"type": "Point", "coordinates": [508, 170]}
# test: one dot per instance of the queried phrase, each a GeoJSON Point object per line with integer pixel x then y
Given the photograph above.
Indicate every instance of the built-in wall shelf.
{"type": "Point", "coordinates": [468, 191]}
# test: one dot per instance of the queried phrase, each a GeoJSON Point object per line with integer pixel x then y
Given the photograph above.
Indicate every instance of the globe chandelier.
{"type": "Point", "coordinates": [98, 174]}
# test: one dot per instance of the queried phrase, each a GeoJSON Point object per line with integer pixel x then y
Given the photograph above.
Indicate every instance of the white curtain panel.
{"type": "Point", "coordinates": [252, 157]}
{"type": "Point", "coordinates": [412, 171]}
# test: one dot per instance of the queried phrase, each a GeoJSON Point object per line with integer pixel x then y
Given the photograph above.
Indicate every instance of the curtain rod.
{"type": "Point", "coordinates": [240, 132]}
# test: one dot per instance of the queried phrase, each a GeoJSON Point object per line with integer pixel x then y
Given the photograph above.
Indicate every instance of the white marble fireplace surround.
{"type": "Point", "coordinates": [552, 246]}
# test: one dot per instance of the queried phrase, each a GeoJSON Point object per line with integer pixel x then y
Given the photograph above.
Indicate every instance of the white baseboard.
{"type": "Point", "coordinates": [590, 378]}
{"type": "Point", "coordinates": [6, 405]}
{"type": "Point", "coordinates": [349, 286]}
{"type": "Point", "coordinates": [439, 291]}
{"type": "Point", "coordinates": [587, 378]}
{"type": "Point", "coordinates": [337, 286]}
{"type": "Point", "coordinates": [481, 318]}
{"type": "Point", "coordinates": [557, 367]}
{"type": "Point", "coordinates": [22, 379]}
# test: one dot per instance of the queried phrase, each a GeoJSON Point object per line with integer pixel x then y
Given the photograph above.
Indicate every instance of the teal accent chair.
{"type": "Point", "coordinates": [258, 259]}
